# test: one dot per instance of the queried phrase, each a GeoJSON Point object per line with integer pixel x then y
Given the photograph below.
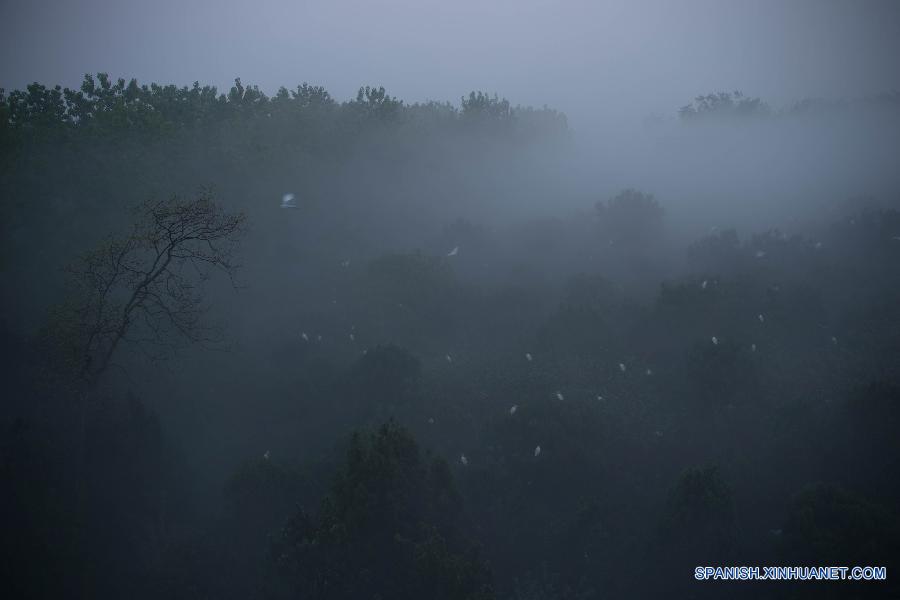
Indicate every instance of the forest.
{"type": "Point", "coordinates": [291, 346]}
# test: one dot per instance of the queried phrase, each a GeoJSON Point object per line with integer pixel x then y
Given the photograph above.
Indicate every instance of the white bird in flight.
{"type": "Point", "coordinates": [703, 285]}
{"type": "Point", "coordinates": [559, 396]}
{"type": "Point", "coordinates": [537, 451]}
{"type": "Point", "coordinates": [345, 263]}
{"type": "Point", "coordinates": [463, 459]}
{"type": "Point", "coordinates": [649, 372]}
{"type": "Point", "coordinates": [266, 455]}
{"type": "Point", "coordinates": [715, 341]}
{"type": "Point", "coordinates": [761, 318]}
{"type": "Point", "coordinates": [528, 356]}
{"type": "Point", "coordinates": [304, 336]}
{"type": "Point", "coordinates": [760, 253]}
{"type": "Point", "coordinates": [449, 358]}
{"type": "Point", "coordinates": [288, 201]}
{"type": "Point", "coordinates": [513, 409]}
{"type": "Point", "coordinates": [352, 338]}
{"type": "Point", "coordinates": [752, 347]}
{"type": "Point", "coordinates": [622, 367]}
{"type": "Point", "coordinates": [454, 252]}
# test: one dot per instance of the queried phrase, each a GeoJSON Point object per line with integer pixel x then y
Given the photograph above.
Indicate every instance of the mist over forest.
{"type": "Point", "coordinates": [290, 344]}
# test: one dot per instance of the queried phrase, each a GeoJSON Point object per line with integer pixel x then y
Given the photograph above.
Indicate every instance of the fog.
{"type": "Point", "coordinates": [517, 300]}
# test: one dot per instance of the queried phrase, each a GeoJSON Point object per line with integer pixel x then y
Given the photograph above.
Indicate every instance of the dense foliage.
{"type": "Point", "coordinates": [422, 401]}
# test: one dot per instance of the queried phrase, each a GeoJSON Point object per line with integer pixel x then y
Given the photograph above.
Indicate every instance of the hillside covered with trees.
{"type": "Point", "coordinates": [290, 346]}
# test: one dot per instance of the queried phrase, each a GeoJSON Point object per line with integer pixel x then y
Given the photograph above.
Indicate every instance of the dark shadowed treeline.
{"type": "Point", "coordinates": [421, 385]}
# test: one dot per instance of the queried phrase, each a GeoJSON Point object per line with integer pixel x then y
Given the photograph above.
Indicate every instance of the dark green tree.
{"type": "Point", "coordinates": [390, 528]}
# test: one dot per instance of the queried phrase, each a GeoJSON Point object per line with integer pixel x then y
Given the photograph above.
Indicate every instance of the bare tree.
{"type": "Point", "coordinates": [147, 288]}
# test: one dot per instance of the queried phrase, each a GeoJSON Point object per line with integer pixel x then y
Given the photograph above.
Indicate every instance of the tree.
{"type": "Point", "coordinates": [146, 288]}
{"type": "Point", "coordinates": [390, 528]}
{"type": "Point", "coordinates": [632, 218]}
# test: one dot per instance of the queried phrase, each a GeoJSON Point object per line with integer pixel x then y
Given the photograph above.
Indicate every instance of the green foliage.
{"type": "Point", "coordinates": [724, 104]}
{"type": "Point", "coordinates": [389, 529]}
{"type": "Point", "coordinates": [106, 108]}
{"type": "Point", "coordinates": [631, 218]}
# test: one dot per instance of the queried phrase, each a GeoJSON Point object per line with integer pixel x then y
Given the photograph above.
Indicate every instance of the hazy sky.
{"type": "Point", "coordinates": [623, 58]}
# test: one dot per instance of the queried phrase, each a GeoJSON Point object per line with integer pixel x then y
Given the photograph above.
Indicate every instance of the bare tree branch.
{"type": "Point", "coordinates": [147, 288]}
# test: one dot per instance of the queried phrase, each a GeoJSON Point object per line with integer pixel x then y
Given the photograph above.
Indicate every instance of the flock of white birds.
{"type": "Point", "coordinates": [289, 201]}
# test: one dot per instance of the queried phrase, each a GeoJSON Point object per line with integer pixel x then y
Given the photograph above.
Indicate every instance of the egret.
{"type": "Point", "coordinates": [454, 252]}
{"type": "Point", "coordinates": [537, 451]}
{"type": "Point", "coordinates": [513, 409]}
{"type": "Point", "coordinates": [288, 201]}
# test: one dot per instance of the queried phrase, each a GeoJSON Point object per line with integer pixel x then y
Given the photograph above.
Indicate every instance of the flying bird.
{"type": "Point", "coordinates": [752, 347]}
{"type": "Point", "coordinates": [288, 201]}
{"type": "Point", "coordinates": [449, 358]}
{"type": "Point", "coordinates": [528, 356]}
{"type": "Point", "coordinates": [649, 372]}
{"type": "Point", "coordinates": [537, 451]}
{"type": "Point", "coordinates": [454, 252]}
{"type": "Point", "coordinates": [463, 459]}
{"type": "Point", "coordinates": [761, 318]}
{"type": "Point", "coordinates": [266, 455]}
{"type": "Point", "coordinates": [622, 367]}
{"type": "Point", "coordinates": [559, 396]}
{"type": "Point", "coordinates": [513, 409]}
{"type": "Point", "coordinates": [760, 253]}
{"type": "Point", "coordinates": [715, 341]}
{"type": "Point", "coordinates": [304, 336]}
{"type": "Point", "coordinates": [703, 285]}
